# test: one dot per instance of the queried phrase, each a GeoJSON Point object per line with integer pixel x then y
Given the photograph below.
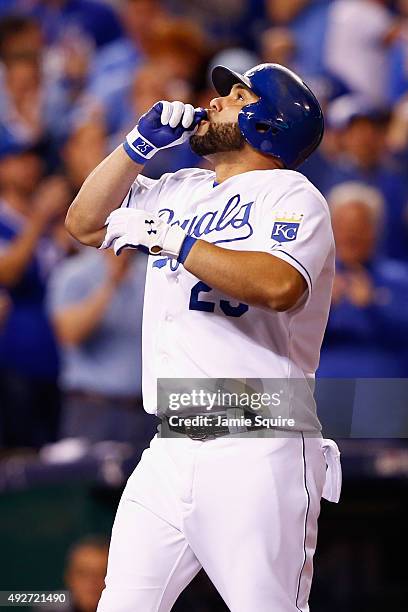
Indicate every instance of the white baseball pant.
{"type": "Point", "coordinates": [244, 509]}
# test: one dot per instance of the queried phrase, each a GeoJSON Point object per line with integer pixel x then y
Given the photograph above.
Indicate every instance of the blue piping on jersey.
{"type": "Point", "coordinates": [160, 263]}
{"type": "Point", "coordinates": [298, 262]}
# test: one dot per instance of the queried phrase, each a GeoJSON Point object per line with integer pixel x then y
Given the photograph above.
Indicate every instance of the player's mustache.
{"type": "Point", "coordinates": [209, 117]}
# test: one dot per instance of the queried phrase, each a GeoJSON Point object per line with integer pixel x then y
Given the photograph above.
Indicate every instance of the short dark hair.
{"type": "Point", "coordinates": [98, 541]}
{"type": "Point", "coordinates": [10, 25]}
{"type": "Point", "coordinates": [379, 117]}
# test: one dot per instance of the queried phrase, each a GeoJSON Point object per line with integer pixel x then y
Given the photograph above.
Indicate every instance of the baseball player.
{"type": "Point", "coordinates": [238, 286]}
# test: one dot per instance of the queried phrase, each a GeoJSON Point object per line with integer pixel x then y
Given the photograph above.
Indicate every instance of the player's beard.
{"type": "Point", "coordinates": [219, 138]}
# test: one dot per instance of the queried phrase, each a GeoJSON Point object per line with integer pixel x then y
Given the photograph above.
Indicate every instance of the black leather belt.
{"type": "Point", "coordinates": [202, 426]}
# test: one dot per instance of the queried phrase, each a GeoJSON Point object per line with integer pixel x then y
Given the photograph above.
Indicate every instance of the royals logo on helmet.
{"type": "Point", "coordinates": [286, 227]}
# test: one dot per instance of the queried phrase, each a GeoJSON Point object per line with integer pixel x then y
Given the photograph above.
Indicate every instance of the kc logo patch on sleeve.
{"type": "Point", "coordinates": [286, 227]}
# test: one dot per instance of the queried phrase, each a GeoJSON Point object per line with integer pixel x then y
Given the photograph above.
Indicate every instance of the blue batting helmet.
{"type": "Point", "coordinates": [286, 122]}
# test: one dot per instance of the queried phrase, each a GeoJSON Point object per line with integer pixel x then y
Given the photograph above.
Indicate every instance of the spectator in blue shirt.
{"type": "Point", "coordinates": [94, 18]}
{"type": "Point", "coordinates": [28, 251]}
{"type": "Point", "coordinates": [360, 130]}
{"type": "Point", "coordinates": [176, 46]}
{"type": "Point", "coordinates": [367, 332]}
{"type": "Point", "coordinates": [95, 300]}
{"type": "Point", "coordinates": [116, 63]}
{"type": "Point", "coordinates": [35, 99]}
{"type": "Point", "coordinates": [306, 21]}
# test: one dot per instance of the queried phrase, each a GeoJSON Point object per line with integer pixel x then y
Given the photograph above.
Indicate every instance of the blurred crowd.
{"type": "Point", "coordinates": [84, 574]}
{"type": "Point", "coordinates": [75, 75]}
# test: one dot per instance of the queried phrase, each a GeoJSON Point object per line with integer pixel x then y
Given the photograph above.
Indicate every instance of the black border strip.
{"type": "Point", "coordinates": [305, 527]}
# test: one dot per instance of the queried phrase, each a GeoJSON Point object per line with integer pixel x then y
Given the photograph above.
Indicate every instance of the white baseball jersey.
{"type": "Point", "coordinates": [191, 503]}
{"type": "Point", "coordinates": [190, 330]}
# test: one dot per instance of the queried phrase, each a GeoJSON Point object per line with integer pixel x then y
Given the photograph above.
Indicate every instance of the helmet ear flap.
{"type": "Point", "coordinates": [265, 126]}
{"type": "Point", "coordinates": [256, 126]}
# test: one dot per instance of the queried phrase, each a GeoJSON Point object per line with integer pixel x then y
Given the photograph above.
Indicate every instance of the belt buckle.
{"type": "Point", "coordinates": [192, 433]}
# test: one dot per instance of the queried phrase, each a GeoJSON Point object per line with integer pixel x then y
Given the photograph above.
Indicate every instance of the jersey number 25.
{"type": "Point", "coordinates": [226, 307]}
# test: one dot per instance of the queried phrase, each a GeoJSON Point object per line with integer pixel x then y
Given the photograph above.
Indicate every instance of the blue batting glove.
{"type": "Point", "coordinates": [165, 125]}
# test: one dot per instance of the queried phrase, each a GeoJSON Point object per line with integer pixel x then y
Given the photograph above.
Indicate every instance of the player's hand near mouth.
{"type": "Point", "coordinates": [255, 278]}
